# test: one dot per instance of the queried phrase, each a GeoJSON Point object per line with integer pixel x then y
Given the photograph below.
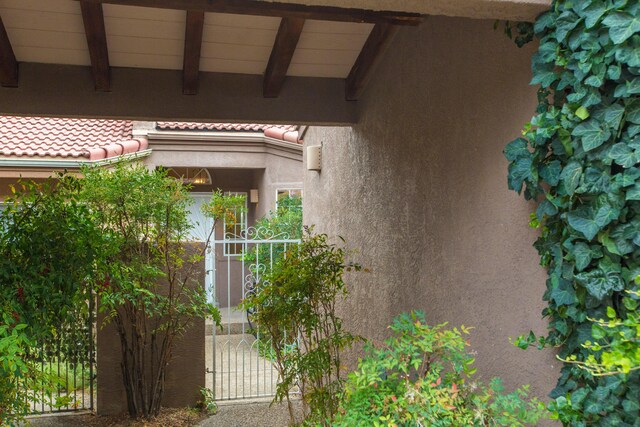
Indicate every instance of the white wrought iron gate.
{"type": "Point", "coordinates": [239, 355]}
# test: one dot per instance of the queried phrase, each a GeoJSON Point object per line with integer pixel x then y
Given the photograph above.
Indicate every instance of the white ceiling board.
{"type": "Point", "coordinates": [37, 20]}
{"type": "Point", "coordinates": [137, 60]}
{"type": "Point", "coordinates": [143, 13]}
{"type": "Point", "coordinates": [237, 43]}
{"type": "Point", "coordinates": [52, 56]}
{"type": "Point", "coordinates": [59, 6]}
{"type": "Point", "coordinates": [144, 37]}
{"type": "Point", "coordinates": [47, 39]}
{"type": "Point", "coordinates": [46, 32]}
{"type": "Point", "coordinates": [232, 66]}
{"type": "Point", "coordinates": [242, 21]}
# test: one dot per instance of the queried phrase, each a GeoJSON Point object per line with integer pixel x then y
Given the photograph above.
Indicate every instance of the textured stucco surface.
{"type": "Point", "coordinates": [185, 374]}
{"type": "Point", "coordinates": [504, 9]}
{"type": "Point", "coordinates": [419, 189]}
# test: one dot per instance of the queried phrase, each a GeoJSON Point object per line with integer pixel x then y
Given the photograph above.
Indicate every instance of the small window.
{"type": "Point", "coordinates": [233, 231]}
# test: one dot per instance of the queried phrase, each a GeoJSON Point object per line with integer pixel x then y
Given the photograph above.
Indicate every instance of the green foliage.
{"type": "Point", "coordinates": [524, 31]}
{"type": "Point", "coordinates": [148, 276]}
{"type": "Point", "coordinates": [48, 249]}
{"type": "Point", "coordinates": [578, 158]}
{"type": "Point", "coordinates": [207, 402]}
{"type": "Point", "coordinates": [617, 349]}
{"type": "Point", "coordinates": [422, 376]}
{"type": "Point", "coordinates": [284, 223]}
{"type": "Point", "coordinates": [295, 305]}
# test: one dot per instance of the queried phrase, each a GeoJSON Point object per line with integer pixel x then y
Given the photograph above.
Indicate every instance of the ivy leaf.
{"type": "Point", "coordinates": [584, 220]}
{"type": "Point", "coordinates": [629, 54]}
{"type": "Point", "coordinates": [516, 148]}
{"type": "Point", "coordinates": [600, 284]}
{"type": "Point", "coordinates": [592, 134]}
{"type": "Point", "coordinates": [623, 155]}
{"type": "Point", "coordinates": [582, 254]}
{"type": "Point", "coordinates": [545, 208]}
{"type": "Point", "coordinates": [621, 26]}
{"type": "Point", "coordinates": [570, 176]}
{"type": "Point", "coordinates": [633, 193]}
{"type": "Point", "coordinates": [519, 171]}
{"type": "Point", "coordinates": [550, 172]}
{"type": "Point", "coordinates": [563, 293]}
{"type": "Point", "coordinates": [593, 13]}
{"type": "Point", "coordinates": [633, 112]}
{"type": "Point", "coordinates": [582, 113]}
{"type": "Point", "coordinates": [613, 115]}
{"type": "Point", "coordinates": [625, 89]}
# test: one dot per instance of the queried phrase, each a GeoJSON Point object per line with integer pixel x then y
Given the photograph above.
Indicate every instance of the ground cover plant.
{"type": "Point", "coordinates": [295, 304]}
{"type": "Point", "coordinates": [423, 376]}
{"type": "Point", "coordinates": [578, 157]}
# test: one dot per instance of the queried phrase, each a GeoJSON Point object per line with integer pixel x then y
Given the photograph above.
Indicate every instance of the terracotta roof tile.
{"type": "Point", "coordinates": [66, 138]}
{"type": "Point", "coordinates": [238, 127]}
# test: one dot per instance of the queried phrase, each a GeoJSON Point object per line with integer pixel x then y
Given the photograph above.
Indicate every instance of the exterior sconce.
{"type": "Point", "coordinates": [253, 196]}
{"type": "Point", "coordinates": [314, 157]}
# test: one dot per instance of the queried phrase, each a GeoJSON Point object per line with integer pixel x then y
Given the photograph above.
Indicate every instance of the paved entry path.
{"type": "Point", "coordinates": [241, 370]}
{"type": "Point", "coordinates": [253, 414]}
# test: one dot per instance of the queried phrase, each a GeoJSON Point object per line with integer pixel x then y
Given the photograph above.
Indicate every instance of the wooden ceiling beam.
{"type": "Point", "coordinates": [282, 10]}
{"type": "Point", "coordinates": [8, 63]}
{"type": "Point", "coordinates": [192, 49]}
{"type": "Point", "coordinates": [373, 48]}
{"type": "Point", "coordinates": [94, 29]}
{"type": "Point", "coordinates": [281, 54]}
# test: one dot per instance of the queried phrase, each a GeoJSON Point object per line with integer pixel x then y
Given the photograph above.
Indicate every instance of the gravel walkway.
{"type": "Point", "coordinates": [256, 414]}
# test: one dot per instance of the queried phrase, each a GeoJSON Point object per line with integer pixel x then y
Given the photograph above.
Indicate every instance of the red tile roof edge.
{"type": "Point", "coordinates": [288, 133]}
{"type": "Point", "coordinates": [116, 149]}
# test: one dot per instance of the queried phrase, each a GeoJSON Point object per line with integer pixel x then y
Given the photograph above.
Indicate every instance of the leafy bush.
{"type": "Point", "coordinates": [48, 249]}
{"type": "Point", "coordinates": [149, 284]}
{"type": "Point", "coordinates": [295, 304]}
{"type": "Point", "coordinates": [578, 158]}
{"type": "Point", "coordinates": [422, 376]}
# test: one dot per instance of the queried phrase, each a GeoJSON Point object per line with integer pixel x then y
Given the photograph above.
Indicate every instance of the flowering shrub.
{"type": "Point", "coordinates": [422, 376]}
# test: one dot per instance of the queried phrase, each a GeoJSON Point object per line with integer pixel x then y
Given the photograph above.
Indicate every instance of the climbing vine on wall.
{"type": "Point", "coordinates": [579, 158]}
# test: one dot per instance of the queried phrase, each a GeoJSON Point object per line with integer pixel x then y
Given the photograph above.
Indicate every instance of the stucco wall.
{"type": "Point", "coordinates": [419, 188]}
{"type": "Point", "coordinates": [185, 374]}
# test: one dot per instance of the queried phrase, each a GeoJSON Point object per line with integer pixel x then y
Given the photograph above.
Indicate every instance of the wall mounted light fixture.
{"type": "Point", "coordinates": [314, 157]}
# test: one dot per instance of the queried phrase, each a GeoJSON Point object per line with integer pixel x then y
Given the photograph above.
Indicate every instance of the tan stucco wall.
{"type": "Point", "coordinates": [419, 188]}
{"type": "Point", "coordinates": [503, 9]}
{"type": "Point", "coordinates": [185, 374]}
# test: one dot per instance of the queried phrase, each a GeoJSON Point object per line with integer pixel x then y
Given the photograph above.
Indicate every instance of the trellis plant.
{"type": "Point", "coordinates": [578, 158]}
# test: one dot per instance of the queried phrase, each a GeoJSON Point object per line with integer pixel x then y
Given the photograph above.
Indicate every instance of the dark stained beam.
{"type": "Point", "coordinates": [373, 48]}
{"type": "Point", "coordinates": [54, 90]}
{"type": "Point", "coordinates": [8, 63]}
{"type": "Point", "coordinates": [192, 48]}
{"type": "Point", "coordinates": [281, 54]}
{"type": "Point", "coordinates": [93, 19]}
{"type": "Point", "coordinates": [283, 10]}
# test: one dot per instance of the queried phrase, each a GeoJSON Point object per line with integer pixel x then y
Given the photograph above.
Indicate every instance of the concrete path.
{"type": "Point", "coordinates": [252, 414]}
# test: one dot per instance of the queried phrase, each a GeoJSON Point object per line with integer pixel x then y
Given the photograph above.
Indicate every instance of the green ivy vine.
{"type": "Point", "coordinates": [579, 158]}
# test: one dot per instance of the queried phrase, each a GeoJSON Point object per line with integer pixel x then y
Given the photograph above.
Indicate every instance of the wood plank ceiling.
{"type": "Point", "coordinates": [224, 36]}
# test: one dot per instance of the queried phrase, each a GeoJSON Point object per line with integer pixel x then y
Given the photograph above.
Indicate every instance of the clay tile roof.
{"type": "Point", "coordinates": [66, 138]}
{"type": "Point", "coordinates": [282, 132]}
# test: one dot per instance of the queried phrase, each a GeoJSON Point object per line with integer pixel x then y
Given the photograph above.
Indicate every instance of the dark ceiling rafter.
{"type": "Point", "coordinates": [375, 45]}
{"type": "Point", "coordinates": [280, 59]}
{"type": "Point", "coordinates": [93, 18]}
{"type": "Point", "coordinates": [8, 63]}
{"type": "Point", "coordinates": [282, 10]}
{"type": "Point", "coordinates": [192, 48]}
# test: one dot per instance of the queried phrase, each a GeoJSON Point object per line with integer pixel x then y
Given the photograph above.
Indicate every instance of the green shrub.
{"type": "Point", "coordinates": [295, 305]}
{"type": "Point", "coordinates": [579, 158]}
{"type": "Point", "coordinates": [422, 376]}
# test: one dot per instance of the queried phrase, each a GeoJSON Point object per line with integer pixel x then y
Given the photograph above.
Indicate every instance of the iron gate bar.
{"type": "Point", "coordinates": [241, 372]}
